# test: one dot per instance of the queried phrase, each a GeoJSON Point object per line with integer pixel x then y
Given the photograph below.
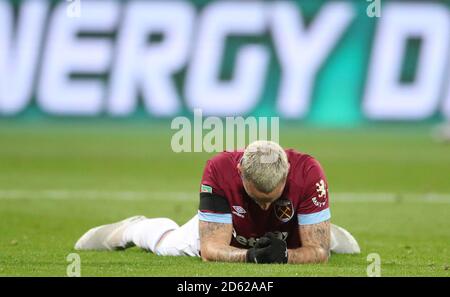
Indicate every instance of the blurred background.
{"type": "Point", "coordinates": [89, 91]}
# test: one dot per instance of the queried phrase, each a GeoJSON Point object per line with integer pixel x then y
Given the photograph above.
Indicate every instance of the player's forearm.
{"type": "Point", "coordinates": [214, 242]}
{"type": "Point", "coordinates": [220, 253]}
{"type": "Point", "coordinates": [315, 244]}
{"type": "Point", "coordinates": [308, 254]}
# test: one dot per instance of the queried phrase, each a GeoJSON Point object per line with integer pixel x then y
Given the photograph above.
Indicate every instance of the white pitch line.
{"type": "Point", "coordinates": [94, 195]}
{"type": "Point", "coordinates": [363, 197]}
{"type": "Point", "coordinates": [344, 197]}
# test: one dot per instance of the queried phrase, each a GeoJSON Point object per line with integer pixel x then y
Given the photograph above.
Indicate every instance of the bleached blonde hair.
{"type": "Point", "coordinates": [265, 164]}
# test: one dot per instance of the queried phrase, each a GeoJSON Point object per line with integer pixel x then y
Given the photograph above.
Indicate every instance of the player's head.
{"type": "Point", "coordinates": [264, 168]}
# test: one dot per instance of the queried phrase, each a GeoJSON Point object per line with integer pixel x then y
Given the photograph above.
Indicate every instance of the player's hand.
{"type": "Point", "coordinates": [268, 249]}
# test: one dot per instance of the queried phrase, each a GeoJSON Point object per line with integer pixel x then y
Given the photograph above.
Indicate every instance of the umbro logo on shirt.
{"type": "Point", "coordinates": [239, 211]}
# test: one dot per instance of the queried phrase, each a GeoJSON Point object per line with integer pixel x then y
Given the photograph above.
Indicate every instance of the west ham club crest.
{"type": "Point", "coordinates": [283, 210]}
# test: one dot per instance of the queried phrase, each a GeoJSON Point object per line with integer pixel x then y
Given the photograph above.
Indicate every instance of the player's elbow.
{"type": "Point", "coordinates": [311, 255]}
{"type": "Point", "coordinates": [207, 252]}
{"type": "Point", "coordinates": [324, 255]}
{"type": "Point", "coordinates": [205, 256]}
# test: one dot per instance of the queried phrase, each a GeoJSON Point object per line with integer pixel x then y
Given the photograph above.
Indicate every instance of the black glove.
{"type": "Point", "coordinates": [268, 249]}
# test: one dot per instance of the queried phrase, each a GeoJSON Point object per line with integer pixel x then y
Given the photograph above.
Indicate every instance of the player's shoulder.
{"type": "Point", "coordinates": [226, 159]}
{"type": "Point", "coordinates": [301, 164]}
{"type": "Point", "coordinates": [221, 171]}
{"type": "Point", "coordinates": [301, 159]}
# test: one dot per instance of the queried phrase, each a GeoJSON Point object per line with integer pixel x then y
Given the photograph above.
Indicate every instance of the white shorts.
{"type": "Point", "coordinates": [183, 241]}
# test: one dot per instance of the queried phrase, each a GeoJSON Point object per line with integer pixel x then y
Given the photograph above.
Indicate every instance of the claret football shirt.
{"type": "Point", "coordinates": [304, 200]}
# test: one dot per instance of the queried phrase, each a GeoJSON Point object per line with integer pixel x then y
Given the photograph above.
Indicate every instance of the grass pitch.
{"type": "Point", "coordinates": [389, 186]}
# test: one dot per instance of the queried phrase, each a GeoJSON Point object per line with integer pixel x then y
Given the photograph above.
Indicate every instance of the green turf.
{"type": "Point", "coordinates": [58, 180]}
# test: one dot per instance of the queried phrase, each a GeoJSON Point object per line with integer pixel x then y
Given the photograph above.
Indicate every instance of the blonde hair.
{"type": "Point", "coordinates": [265, 164]}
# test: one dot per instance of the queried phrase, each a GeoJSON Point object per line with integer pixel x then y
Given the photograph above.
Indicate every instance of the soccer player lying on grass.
{"type": "Point", "coordinates": [262, 205]}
